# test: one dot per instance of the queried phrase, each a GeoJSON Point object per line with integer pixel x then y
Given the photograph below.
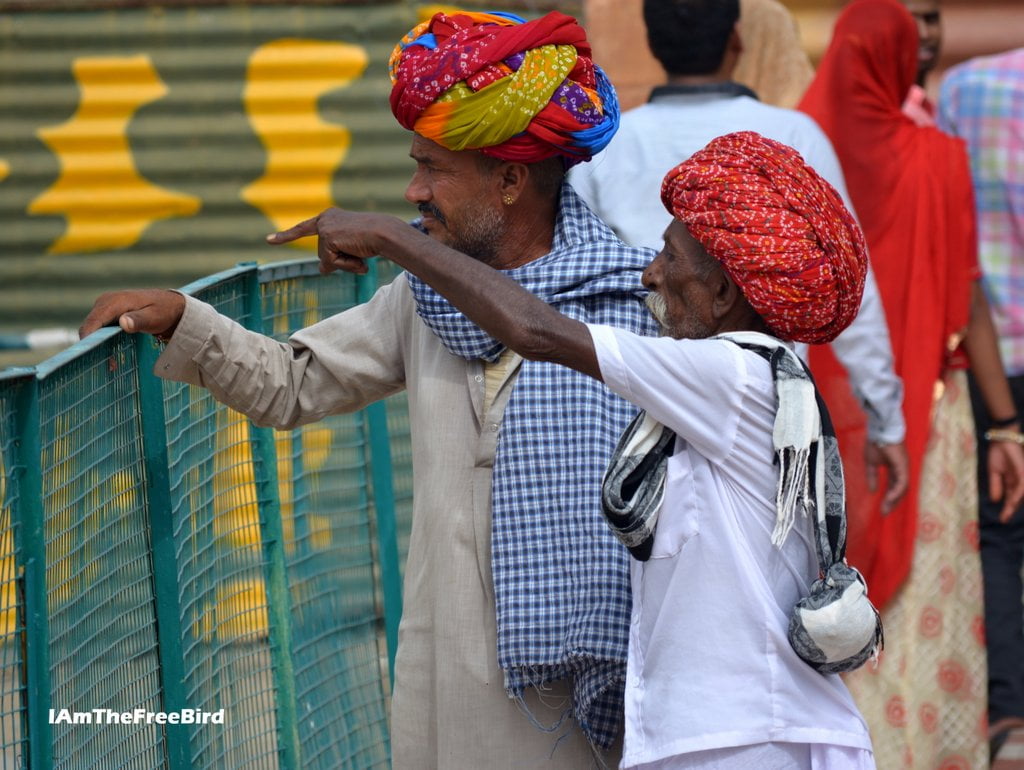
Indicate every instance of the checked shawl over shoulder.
{"type": "Point", "coordinates": [561, 581]}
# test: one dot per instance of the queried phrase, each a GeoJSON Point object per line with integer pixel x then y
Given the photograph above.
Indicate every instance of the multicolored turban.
{"type": "Point", "coordinates": [514, 89]}
{"type": "Point", "coordinates": [779, 230]}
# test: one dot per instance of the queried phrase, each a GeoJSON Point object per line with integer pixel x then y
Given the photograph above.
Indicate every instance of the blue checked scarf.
{"type": "Point", "coordinates": [561, 581]}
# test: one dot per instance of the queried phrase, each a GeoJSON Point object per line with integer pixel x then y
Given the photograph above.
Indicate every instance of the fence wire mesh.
{"type": "Point", "coordinates": [270, 542]}
{"type": "Point", "coordinates": [221, 565]}
{"type": "Point", "coordinates": [322, 470]}
{"type": "Point", "coordinates": [102, 633]}
{"type": "Point", "coordinates": [13, 743]}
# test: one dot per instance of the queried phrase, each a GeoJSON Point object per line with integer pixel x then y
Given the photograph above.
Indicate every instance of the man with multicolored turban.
{"type": "Point", "coordinates": [512, 645]}
{"type": "Point", "coordinates": [727, 488]}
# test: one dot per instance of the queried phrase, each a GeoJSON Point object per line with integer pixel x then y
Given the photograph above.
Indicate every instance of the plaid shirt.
{"type": "Point", "coordinates": [561, 580]}
{"type": "Point", "coordinates": [982, 101]}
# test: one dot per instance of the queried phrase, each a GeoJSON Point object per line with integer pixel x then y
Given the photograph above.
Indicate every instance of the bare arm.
{"type": "Point", "coordinates": [494, 302]}
{"type": "Point", "coordinates": [1006, 459]}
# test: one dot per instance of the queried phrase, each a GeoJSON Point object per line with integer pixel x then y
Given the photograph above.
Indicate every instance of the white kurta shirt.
{"type": "Point", "coordinates": [709, 664]}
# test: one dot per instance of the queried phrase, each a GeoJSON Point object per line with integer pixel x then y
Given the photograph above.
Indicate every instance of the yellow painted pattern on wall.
{"type": "Point", "coordinates": [285, 79]}
{"type": "Point", "coordinates": [236, 516]}
{"type": "Point", "coordinates": [83, 510]}
{"type": "Point", "coordinates": [239, 609]}
{"type": "Point", "coordinates": [8, 593]}
{"type": "Point", "coordinates": [107, 203]}
{"type": "Point", "coordinates": [237, 613]}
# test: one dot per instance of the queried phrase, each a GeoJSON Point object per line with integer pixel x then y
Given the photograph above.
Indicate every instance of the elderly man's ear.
{"type": "Point", "coordinates": [730, 307]}
{"type": "Point", "coordinates": [726, 296]}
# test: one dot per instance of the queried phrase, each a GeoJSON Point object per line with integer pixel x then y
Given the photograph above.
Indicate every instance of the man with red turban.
{"type": "Point", "coordinates": [728, 488]}
{"type": "Point", "coordinates": [515, 624]}
{"type": "Point", "coordinates": [700, 45]}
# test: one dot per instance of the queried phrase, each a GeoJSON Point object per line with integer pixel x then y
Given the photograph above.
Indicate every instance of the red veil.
{"type": "Point", "coordinates": [911, 189]}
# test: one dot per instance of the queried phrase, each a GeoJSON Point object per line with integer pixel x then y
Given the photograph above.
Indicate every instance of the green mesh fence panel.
{"type": "Point", "coordinates": [221, 567]}
{"type": "Point", "coordinates": [13, 746]}
{"type": "Point", "coordinates": [102, 636]}
{"type": "Point", "coordinates": [262, 554]}
{"type": "Point", "coordinates": [326, 516]}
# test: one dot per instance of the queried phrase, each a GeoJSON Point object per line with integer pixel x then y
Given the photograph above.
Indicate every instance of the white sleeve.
{"type": "Point", "coordinates": [865, 351]}
{"type": "Point", "coordinates": [698, 388]}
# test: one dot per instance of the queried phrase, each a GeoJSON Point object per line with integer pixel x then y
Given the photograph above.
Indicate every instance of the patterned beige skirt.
{"type": "Point", "coordinates": [925, 701]}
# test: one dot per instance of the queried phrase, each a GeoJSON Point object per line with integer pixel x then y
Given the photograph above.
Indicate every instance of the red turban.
{"type": "Point", "coordinates": [779, 230]}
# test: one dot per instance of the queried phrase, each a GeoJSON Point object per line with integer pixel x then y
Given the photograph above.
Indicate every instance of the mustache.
{"type": "Point", "coordinates": [432, 210]}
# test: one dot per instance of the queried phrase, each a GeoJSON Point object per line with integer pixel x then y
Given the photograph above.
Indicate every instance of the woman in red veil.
{"type": "Point", "coordinates": [911, 188]}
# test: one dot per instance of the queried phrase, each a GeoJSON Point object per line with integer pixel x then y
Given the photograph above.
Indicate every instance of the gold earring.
{"type": "Point", "coordinates": [508, 200]}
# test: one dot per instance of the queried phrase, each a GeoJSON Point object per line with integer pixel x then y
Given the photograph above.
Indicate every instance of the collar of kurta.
{"type": "Point", "coordinates": [726, 88]}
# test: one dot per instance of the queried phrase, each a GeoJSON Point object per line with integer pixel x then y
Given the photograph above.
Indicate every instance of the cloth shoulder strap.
{"type": "Point", "coordinates": [829, 518]}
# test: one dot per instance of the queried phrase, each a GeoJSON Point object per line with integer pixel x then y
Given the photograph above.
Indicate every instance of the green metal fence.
{"type": "Point", "coordinates": [160, 554]}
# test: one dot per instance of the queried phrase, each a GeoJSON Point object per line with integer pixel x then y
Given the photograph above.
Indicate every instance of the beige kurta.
{"type": "Point", "coordinates": [449, 709]}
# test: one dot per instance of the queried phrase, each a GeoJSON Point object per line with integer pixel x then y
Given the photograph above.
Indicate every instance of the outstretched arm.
{"type": "Point", "coordinates": [494, 302]}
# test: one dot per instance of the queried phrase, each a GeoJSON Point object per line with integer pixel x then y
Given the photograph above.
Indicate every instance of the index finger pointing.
{"type": "Point", "coordinates": [301, 230]}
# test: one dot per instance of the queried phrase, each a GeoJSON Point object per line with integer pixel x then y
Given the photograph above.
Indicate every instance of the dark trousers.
{"type": "Point", "coordinates": [1002, 557]}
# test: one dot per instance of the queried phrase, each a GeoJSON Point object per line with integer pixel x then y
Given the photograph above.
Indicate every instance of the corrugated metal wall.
{"type": "Point", "coordinates": [145, 145]}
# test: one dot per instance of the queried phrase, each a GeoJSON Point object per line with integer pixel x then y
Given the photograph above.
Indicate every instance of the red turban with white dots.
{"type": "Point", "coordinates": [779, 230]}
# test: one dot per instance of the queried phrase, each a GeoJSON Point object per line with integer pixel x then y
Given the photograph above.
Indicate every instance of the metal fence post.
{"type": "Point", "coordinates": [164, 556]}
{"type": "Point", "coordinates": [32, 567]}
{"type": "Point", "coordinates": [383, 500]}
{"type": "Point", "coordinates": [264, 453]}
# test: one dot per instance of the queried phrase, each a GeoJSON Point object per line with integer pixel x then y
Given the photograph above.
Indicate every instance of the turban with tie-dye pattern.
{"type": "Point", "coordinates": [514, 89]}
{"type": "Point", "coordinates": [778, 229]}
